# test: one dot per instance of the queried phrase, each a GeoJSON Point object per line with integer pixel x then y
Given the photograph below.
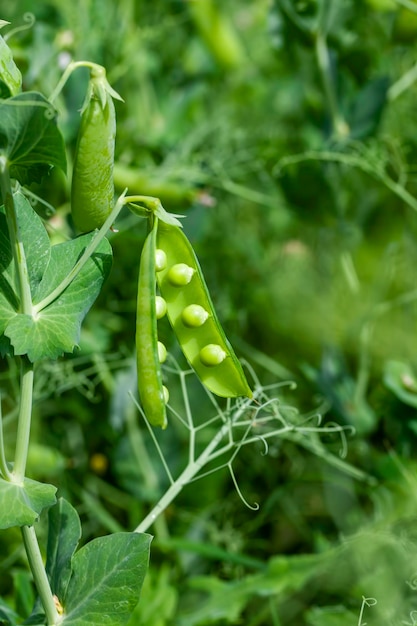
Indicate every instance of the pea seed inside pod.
{"type": "Point", "coordinates": [180, 274]}
{"type": "Point", "coordinates": [212, 354]}
{"type": "Point", "coordinates": [162, 352]}
{"type": "Point", "coordinates": [160, 307]}
{"type": "Point", "coordinates": [160, 260]}
{"type": "Point", "coordinates": [194, 315]}
{"type": "Point", "coordinates": [166, 394]}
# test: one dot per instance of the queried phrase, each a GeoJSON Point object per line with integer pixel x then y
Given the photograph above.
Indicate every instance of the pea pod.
{"type": "Point", "coordinates": [9, 73]}
{"type": "Point", "coordinates": [151, 391]}
{"type": "Point", "coordinates": [92, 191]}
{"type": "Point", "coordinates": [193, 318]}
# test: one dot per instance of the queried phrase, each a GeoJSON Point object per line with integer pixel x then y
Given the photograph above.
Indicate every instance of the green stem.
{"type": "Point", "coordinates": [90, 249]}
{"type": "Point", "coordinates": [183, 479]}
{"type": "Point", "coordinates": [23, 424]}
{"type": "Point", "coordinates": [403, 83]}
{"type": "Point", "coordinates": [192, 469]}
{"type": "Point", "coordinates": [340, 128]}
{"type": "Point", "coordinates": [67, 73]}
{"type": "Point", "coordinates": [353, 161]}
{"type": "Point", "coordinates": [4, 470]}
{"type": "Point", "coordinates": [39, 575]}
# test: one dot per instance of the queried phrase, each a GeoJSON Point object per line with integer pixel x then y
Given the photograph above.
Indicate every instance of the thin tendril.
{"type": "Point", "coordinates": [252, 507]}
{"type": "Point", "coordinates": [154, 439]}
{"type": "Point", "coordinates": [30, 20]}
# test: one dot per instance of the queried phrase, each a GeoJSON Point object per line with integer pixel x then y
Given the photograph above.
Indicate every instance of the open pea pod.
{"type": "Point", "coordinates": [191, 314]}
{"type": "Point", "coordinates": [151, 390]}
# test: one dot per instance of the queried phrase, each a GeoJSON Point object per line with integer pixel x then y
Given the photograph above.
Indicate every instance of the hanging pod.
{"type": "Point", "coordinates": [192, 316]}
{"type": "Point", "coordinates": [149, 352]}
{"type": "Point", "coordinates": [92, 189]}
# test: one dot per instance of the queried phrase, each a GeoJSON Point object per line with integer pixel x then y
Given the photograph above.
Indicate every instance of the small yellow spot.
{"type": "Point", "coordinates": [99, 463]}
{"type": "Point", "coordinates": [58, 605]}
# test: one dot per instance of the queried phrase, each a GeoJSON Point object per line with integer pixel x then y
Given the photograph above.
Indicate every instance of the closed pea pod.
{"type": "Point", "coordinates": [92, 190]}
{"type": "Point", "coordinates": [152, 393]}
{"type": "Point", "coordinates": [9, 73]}
{"type": "Point", "coordinates": [193, 318]}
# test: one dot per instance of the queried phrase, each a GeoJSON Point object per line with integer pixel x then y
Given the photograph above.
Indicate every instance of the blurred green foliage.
{"type": "Point", "coordinates": [312, 263]}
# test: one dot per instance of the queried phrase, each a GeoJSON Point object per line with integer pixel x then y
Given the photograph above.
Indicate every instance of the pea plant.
{"type": "Point", "coordinates": [45, 293]}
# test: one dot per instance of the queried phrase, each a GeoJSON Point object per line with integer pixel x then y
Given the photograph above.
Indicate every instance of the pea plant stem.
{"type": "Point", "coordinates": [4, 470]}
{"type": "Point", "coordinates": [183, 479]}
{"type": "Point", "coordinates": [193, 467]}
{"type": "Point", "coordinates": [24, 421]}
{"type": "Point", "coordinates": [353, 160]}
{"type": "Point", "coordinates": [340, 128]}
{"type": "Point", "coordinates": [26, 397]}
{"type": "Point", "coordinates": [39, 574]}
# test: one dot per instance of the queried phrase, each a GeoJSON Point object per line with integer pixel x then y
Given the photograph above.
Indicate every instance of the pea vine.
{"type": "Point", "coordinates": [45, 293]}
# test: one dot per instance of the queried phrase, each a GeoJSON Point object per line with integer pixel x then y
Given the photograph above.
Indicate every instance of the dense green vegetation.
{"type": "Point", "coordinates": [284, 131]}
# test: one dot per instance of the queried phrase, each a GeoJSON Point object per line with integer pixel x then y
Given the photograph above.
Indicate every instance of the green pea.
{"type": "Point", "coordinates": [92, 189]}
{"type": "Point", "coordinates": [160, 260]}
{"type": "Point", "coordinates": [193, 318]}
{"type": "Point", "coordinates": [212, 355]}
{"type": "Point", "coordinates": [151, 390]}
{"type": "Point", "coordinates": [180, 274]}
{"type": "Point", "coordinates": [194, 315]}
{"type": "Point", "coordinates": [162, 352]}
{"type": "Point", "coordinates": [160, 307]}
{"type": "Point", "coordinates": [166, 394]}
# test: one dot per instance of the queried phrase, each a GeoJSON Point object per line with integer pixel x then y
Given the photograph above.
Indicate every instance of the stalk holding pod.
{"type": "Point", "coordinates": [92, 190]}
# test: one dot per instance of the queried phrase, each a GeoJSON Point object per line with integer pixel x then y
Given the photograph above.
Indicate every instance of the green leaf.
{"type": "Point", "coordinates": [37, 618]}
{"type": "Point", "coordinates": [21, 505]}
{"type": "Point", "coordinates": [366, 112]}
{"type": "Point", "coordinates": [29, 137]}
{"type": "Point", "coordinates": [107, 577]}
{"type": "Point", "coordinates": [402, 381]}
{"type": "Point", "coordinates": [9, 301]}
{"type": "Point", "coordinates": [227, 600]}
{"type": "Point", "coordinates": [64, 533]}
{"type": "Point", "coordinates": [331, 616]}
{"type": "Point", "coordinates": [7, 615]}
{"type": "Point", "coordinates": [57, 327]}
{"type": "Point", "coordinates": [35, 241]}
{"type": "Point", "coordinates": [23, 591]}
{"type": "Point", "coordinates": [159, 598]}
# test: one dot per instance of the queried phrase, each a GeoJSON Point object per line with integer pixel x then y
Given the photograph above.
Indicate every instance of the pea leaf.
{"type": "Point", "coordinates": [56, 329]}
{"type": "Point", "coordinates": [9, 301]}
{"type": "Point", "coordinates": [64, 533]}
{"type": "Point", "coordinates": [21, 505]}
{"type": "Point", "coordinates": [8, 616]}
{"type": "Point", "coordinates": [29, 137]}
{"type": "Point", "coordinates": [367, 109]}
{"type": "Point", "coordinates": [107, 577]}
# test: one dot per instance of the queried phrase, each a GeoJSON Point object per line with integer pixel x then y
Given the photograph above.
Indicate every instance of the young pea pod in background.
{"type": "Point", "coordinates": [92, 190]}
{"type": "Point", "coordinates": [192, 316]}
{"type": "Point", "coordinates": [10, 76]}
{"type": "Point", "coordinates": [151, 390]}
